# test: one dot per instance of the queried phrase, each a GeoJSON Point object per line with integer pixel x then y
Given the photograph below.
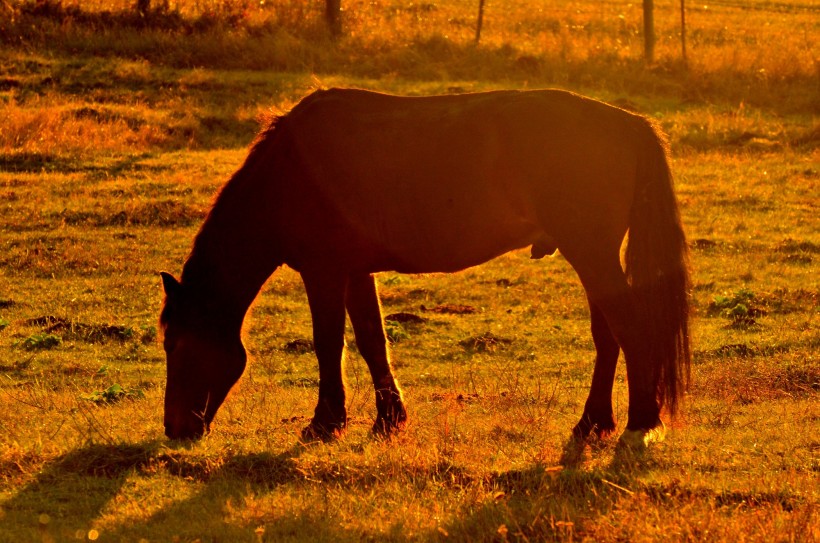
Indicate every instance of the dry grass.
{"type": "Point", "coordinates": [580, 42]}
{"type": "Point", "coordinates": [111, 150]}
{"type": "Point", "coordinates": [160, 83]}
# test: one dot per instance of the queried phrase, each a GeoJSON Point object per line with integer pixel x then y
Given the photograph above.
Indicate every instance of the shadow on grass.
{"type": "Point", "coordinates": [75, 490]}
{"type": "Point", "coordinates": [71, 491]}
{"type": "Point", "coordinates": [545, 503]}
{"type": "Point", "coordinates": [26, 162]}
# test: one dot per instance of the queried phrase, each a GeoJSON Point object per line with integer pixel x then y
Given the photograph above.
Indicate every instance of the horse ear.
{"type": "Point", "coordinates": [171, 285]}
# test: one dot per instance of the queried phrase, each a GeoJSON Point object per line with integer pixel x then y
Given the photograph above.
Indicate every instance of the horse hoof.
{"type": "Point", "coordinates": [642, 438]}
{"type": "Point", "coordinates": [391, 417]}
{"type": "Point", "coordinates": [600, 433]}
{"type": "Point", "coordinates": [386, 428]}
{"type": "Point", "coordinates": [586, 430]}
{"type": "Point", "coordinates": [313, 433]}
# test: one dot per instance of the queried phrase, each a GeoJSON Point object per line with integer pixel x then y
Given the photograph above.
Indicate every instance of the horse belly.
{"type": "Point", "coordinates": [458, 254]}
{"type": "Point", "coordinates": [448, 211]}
{"type": "Point", "coordinates": [447, 237]}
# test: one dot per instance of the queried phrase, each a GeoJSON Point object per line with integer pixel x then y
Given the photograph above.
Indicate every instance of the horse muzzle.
{"type": "Point", "coordinates": [185, 428]}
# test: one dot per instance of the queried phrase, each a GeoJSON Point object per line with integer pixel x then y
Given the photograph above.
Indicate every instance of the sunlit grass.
{"type": "Point", "coordinates": [487, 426]}
{"type": "Point", "coordinates": [534, 39]}
{"type": "Point", "coordinates": [113, 142]}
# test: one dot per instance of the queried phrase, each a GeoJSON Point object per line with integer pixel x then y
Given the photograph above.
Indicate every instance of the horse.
{"type": "Point", "coordinates": [350, 183]}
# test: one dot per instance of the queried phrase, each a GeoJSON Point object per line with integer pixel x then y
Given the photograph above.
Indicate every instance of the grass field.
{"type": "Point", "coordinates": [115, 135]}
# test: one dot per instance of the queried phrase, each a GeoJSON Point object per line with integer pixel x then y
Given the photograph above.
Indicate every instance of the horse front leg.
{"type": "Point", "coordinates": [598, 416]}
{"type": "Point", "coordinates": [326, 295]}
{"type": "Point", "coordinates": [363, 306]}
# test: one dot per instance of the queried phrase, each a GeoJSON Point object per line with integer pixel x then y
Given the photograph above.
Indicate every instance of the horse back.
{"type": "Point", "coordinates": [445, 182]}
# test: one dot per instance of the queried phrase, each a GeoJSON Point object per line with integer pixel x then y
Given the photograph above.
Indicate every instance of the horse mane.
{"type": "Point", "coordinates": [197, 270]}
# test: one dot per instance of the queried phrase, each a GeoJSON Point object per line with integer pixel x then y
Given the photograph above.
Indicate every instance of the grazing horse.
{"type": "Point", "coordinates": [351, 182]}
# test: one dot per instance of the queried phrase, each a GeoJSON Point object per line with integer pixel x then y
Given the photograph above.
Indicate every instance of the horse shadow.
{"type": "Point", "coordinates": [76, 489]}
{"type": "Point", "coordinates": [542, 502]}
{"type": "Point", "coordinates": [70, 493]}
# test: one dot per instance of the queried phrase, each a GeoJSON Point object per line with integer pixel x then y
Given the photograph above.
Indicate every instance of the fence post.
{"type": "Point", "coordinates": [333, 15]}
{"type": "Point", "coordinates": [648, 30]}
{"type": "Point", "coordinates": [143, 7]}
{"type": "Point", "coordinates": [480, 21]}
{"type": "Point", "coordinates": [683, 31]}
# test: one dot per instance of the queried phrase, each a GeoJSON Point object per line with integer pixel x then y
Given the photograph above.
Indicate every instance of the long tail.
{"type": "Point", "coordinates": [657, 259]}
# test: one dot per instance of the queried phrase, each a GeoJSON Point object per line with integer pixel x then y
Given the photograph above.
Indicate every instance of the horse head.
{"type": "Point", "coordinates": [204, 361]}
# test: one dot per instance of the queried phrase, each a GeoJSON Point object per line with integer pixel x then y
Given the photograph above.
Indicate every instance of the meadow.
{"type": "Point", "coordinates": [117, 131]}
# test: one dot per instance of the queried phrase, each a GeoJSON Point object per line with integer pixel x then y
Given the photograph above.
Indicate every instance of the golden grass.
{"type": "Point", "coordinates": [734, 81]}
{"type": "Point", "coordinates": [724, 38]}
{"type": "Point", "coordinates": [40, 127]}
{"type": "Point", "coordinates": [111, 151]}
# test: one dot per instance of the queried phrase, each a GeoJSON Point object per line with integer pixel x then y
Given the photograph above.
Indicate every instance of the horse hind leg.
{"type": "Point", "coordinates": [607, 288]}
{"type": "Point", "coordinates": [326, 295]}
{"type": "Point", "coordinates": [365, 314]}
{"type": "Point", "coordinates": [598, 416]}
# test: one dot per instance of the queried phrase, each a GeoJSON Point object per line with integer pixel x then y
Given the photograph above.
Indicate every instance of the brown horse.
{"type": "Point", "coordinates": [350, 183]}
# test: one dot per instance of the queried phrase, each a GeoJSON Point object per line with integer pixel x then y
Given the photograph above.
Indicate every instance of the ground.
{"type": "Point", "coordinates": [111, 152]}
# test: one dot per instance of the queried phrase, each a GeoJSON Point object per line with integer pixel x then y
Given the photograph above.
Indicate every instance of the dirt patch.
{"type": "Point", "coordinates": [299, 346]}
{"type": "Point", "coordinates": [405, 318]}
{"type": "Point", "coordinates": [485, 342]}
{"type": "Point", "coordinates": [159, 213]}
{"type": "Point", "coordinates": [796, 251]}
{"type": "Point", "coordinates": [91, 333]}
{"type": "Point", "coordinates": [703, 244]}
{"type": "Point", "coordinates": [301, 382]}
{"type": "Point", "coordinates": [451, 309]}
{"type": "Point", "coordinates": [462, 397]}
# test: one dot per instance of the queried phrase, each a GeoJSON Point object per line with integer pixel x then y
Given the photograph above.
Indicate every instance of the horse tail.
{"type": "Point", "coordinates": [656, 265]}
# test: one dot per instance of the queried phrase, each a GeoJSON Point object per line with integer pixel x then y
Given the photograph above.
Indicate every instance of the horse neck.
{"type": "Point", "coordinates": [234, 253]}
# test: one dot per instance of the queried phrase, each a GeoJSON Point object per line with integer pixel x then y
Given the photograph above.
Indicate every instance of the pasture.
{"type": "Point", "coordinates": [115, 135]}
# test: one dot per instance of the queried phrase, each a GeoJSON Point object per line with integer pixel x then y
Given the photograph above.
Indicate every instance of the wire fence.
{"type": "Point", "coordinates": [317, 7]}
{"type": "Point", "coordinates": [753, 28]}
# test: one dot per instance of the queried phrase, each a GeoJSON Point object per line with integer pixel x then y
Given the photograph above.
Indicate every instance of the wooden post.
{"type": "Point", "coordinates": [143, 7]}
{"type": "Point", "coordinates": [683, 31]}
{"type": "Point", "coordinates": [648, 30]}
{"type": "Point", "coordinates": [480, 21]}
{"type": "Point", "coordinates": [333, 14]}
